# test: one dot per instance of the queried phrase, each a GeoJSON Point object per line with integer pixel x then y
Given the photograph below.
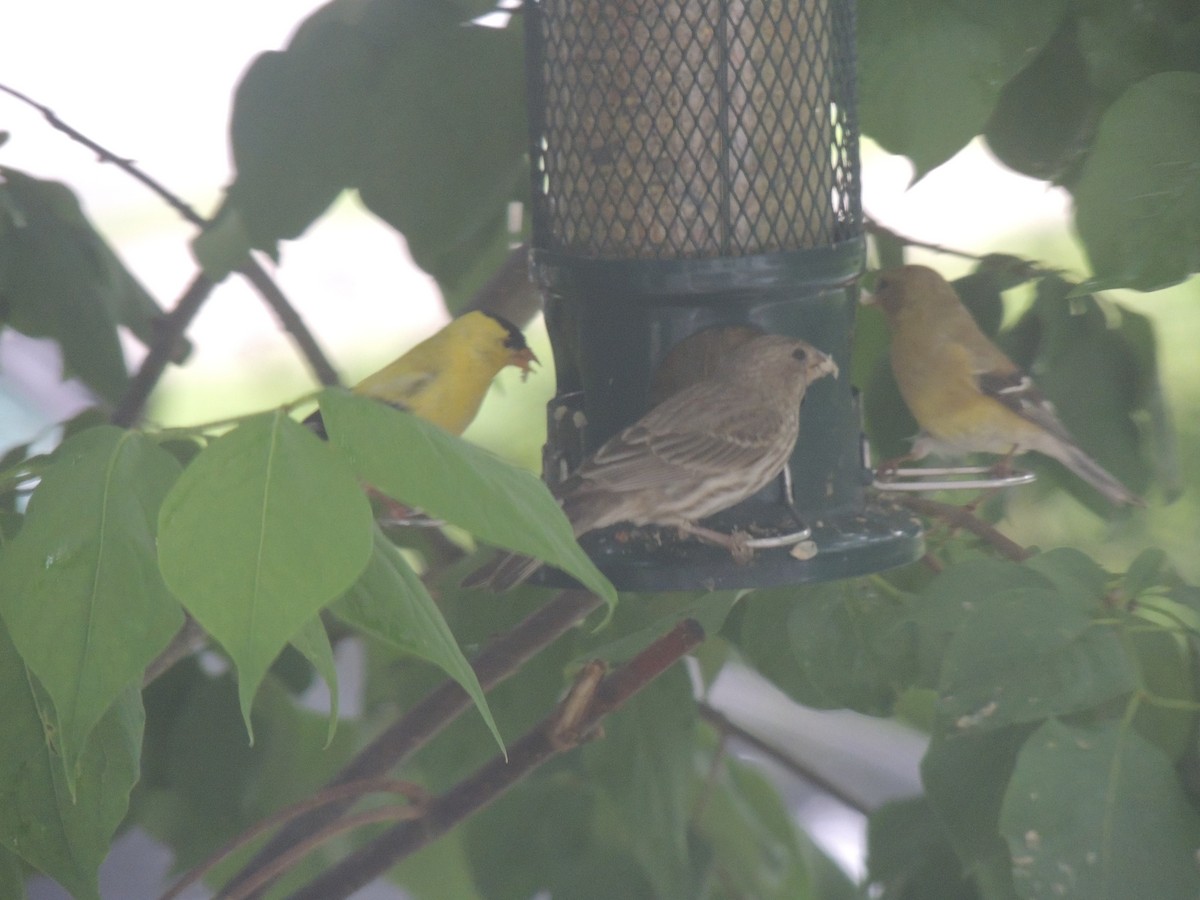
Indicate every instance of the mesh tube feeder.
{"type": "Point", "coordinates": [695, 172]}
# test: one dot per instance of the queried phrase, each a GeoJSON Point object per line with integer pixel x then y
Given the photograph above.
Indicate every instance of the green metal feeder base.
{"type": "Point", "coordinates": [842, 545]}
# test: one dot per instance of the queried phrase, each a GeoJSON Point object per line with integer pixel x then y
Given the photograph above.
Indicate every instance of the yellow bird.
{"type": "Point", "coordinates": [966, 395]}
{"type": "Point", "coordinates": [444, 378]}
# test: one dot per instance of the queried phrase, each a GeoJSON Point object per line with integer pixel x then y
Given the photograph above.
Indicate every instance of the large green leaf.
{"type": "Point", "coordinates": [931, 70]}
{"type": "Point", "coordinates": [840, 644]}
{"type": "Point", "coordinates": [1095, 811]}
{"type": "Point", "coordinates": [390, 602]}
{"type": "Point", "coordinates": [909, 856]}
{"type": "Point", "coordinates": [83, 598]}
{"type": "Point", "coordinates": [421, 465]}
{"type": "Point", "coordinates": [643, 768]}
{"type": "Point", "coordinates": [1023, 655]}
{"type": "Point", "coordinates": [312, 641]}
{"type": "Point", "coordinates": [1137, 202]}
{"type": "Point", "coordinates": [965, 778]}
{"type": "Point", "coordinates": [58, 830]}
{"type": "Point", "coordinates": [1097, 378]}
{"type": "Point", "coordinates": [262, 530]}
{"type": "Point", "coordinates": [55, 279]}
{"type": "Point", "coordinates": [406, 102]}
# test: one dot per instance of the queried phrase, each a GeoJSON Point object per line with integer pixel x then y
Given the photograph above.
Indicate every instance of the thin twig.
{"type": "Point", "coordinates": [298, 852]}
{"type": "Point", "coordinates": [874, 228]}
{"type": "Point", "coordinates": [108, 156]}
{"type": "Point", "coordinates": [501, 658]}
{"type": "Point", "coordinates": [725, 726]}
{"type": "Point", "coordinates": [959, 517]}
{"type": "Point", "coordinates": [288, 317]}
{"type": "Point", "coordinates": [190, 638]}
{"type": "Point", "coordinates": [291, 322]}
{"type": "Point", "coordinates": [498, 775]}
{"type": "Point", "coordinates": [352, 791]}
{"type": "Point", "coordinates": [170, 332]}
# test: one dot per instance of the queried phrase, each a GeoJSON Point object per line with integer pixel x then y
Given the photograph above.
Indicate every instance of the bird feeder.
{"type": "Point", "coordinates": [695, 168]}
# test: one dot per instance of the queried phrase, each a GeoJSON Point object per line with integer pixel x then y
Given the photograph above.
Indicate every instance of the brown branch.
{"type": "Point", "coordinates": [728, 728]}
{"type": "Point", "coordinates": [874, 228]}
{"type": "Point", "coordinates": [351, 791]}
{"type": "Point", "coordinates": [959, 517]}
{"type": "Point", "coordinates": [291, 322]}
{"type": "Point", "coordinates": [190, 638]}
{"type": "Point", "coordinates": [108, 156]}
{"type": "Point", "coordinates": [494, 778]}
{"type": "Point", "coordinates": [170, 332]}
{"type": "Point", "coordinates": [501, 658]}
{"type": "Point", "coordinates": [257, 276]}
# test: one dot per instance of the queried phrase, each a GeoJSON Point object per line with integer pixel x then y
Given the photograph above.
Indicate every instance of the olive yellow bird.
{"type": "Point", "coordinates": [444, 378]}
{"type": "Point", "coordinates": [965, 394]}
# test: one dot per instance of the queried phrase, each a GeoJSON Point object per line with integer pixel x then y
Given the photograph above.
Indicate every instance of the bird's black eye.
{"type": "Point", "coordinates": [799, 354]}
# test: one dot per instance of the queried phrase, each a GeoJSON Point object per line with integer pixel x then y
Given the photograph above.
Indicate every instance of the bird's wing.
{"type": "Point", "coordinates": [396, 387]}
{"type": "Point", "coordinates": [1016, 391]}
{"type": "Point", "coordinates": [652, 453]}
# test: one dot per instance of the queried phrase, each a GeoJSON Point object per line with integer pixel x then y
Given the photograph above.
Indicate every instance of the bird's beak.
{"type": "Point", "coordinates": [822, 367]}
{"type": "Point", "coordinates": [523, 359]}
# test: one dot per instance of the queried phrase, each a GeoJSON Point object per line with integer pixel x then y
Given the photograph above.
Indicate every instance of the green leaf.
{"type": "Point", "coordinates": [754, 842]}
{"type": "Point", "coordinates": [420, 464]}
{"type": "Point", "coordinates": [262, 530]}
{"type": "Point", "coordinates": [313, 641]}
{"type": "Point", "coordinates": [203, 783]}
{"type": "Point", "coordinates": [965, 777]}
{"type": "Point", "coordinates": [1025, 654]}
{"type": "Point", "coordinates": [1137, 202]}
{"type": "Point", "coordinates": [1075, 576]}
{"type": "Point", "coordinates": [1045, 117]}
{"type": "Point", "coordinates": [643, 767]}
{"type": "Point", "coordinates": [909, 857]}
{"type": "Point", "coordinates": [839, 644]}
{"type": "Point", "coordinates": [390, 602]}
{"type": "Point", "coordinates": [56, 281]}
{"type": "Point", "coordinates": [1096, 380]}
{"type": "Point", "coordinates": [1095, 811]}
{"type": "Point", "coordinates": [375, 95]}
{"type": "Point", "coordinates": [12, 876]}
{"type": "Point", "coordinates": [931, 70]}
{"type": "Point", "coordinates": [646, 618]}
{"type": "Point", "coordinates": [39, 821]}
{"type": "Point", "coordinates": [83, 600]}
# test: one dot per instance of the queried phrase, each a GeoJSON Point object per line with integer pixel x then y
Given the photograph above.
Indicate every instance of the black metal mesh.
{"type": "Point", "coordinates": [669, 129]}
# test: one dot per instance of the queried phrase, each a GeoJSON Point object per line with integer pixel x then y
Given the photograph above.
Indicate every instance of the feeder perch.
{"type": "Point", "coordinates": [695, 173]}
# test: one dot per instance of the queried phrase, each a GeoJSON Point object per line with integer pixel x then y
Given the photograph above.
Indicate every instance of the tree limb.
{"type": "Point", "coordinates": [501, 658]}
{"type": "Point", "coordinates": [572, 722]}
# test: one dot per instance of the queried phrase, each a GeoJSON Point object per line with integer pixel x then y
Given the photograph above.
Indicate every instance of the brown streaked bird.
{"type": "Point", "coordinates": [700, 451]}
{"type": "Point", "coordinates": [966, 395]}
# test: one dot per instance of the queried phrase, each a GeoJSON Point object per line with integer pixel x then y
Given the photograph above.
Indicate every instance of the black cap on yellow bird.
{"type": "Point", "coordinates": [519, 353]}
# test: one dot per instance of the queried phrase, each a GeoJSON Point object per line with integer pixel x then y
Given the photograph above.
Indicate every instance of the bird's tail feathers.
{"type": "Point", "coordinates": [1094, 474]}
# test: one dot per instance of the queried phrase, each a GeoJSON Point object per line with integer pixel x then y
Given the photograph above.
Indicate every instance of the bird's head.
{"type": "Point", "coordinates": [507, 343]}
{"type": "Point", "coordinates": [766, 359]}
{"type": "Point", "coordinates": [907, 288]}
